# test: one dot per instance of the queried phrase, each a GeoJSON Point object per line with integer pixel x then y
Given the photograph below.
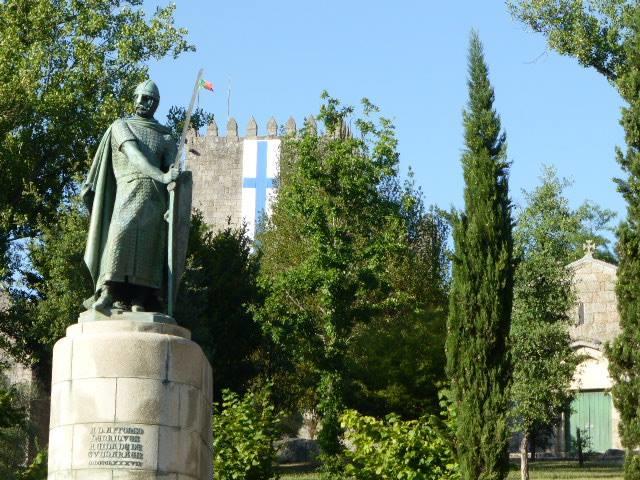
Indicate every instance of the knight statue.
{"type": "Point", "coordinates": [126, 193]}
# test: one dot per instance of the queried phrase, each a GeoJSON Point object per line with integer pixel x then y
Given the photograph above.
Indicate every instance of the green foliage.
{"type": "Point", "coordinates": [544, 363]}
{"type": "Point", "coordinates": [581, 447]}
{"type": "Point", "coordinates": [396, 367]}
{"type": "Point", "coordinates": [396, 362]}
{"type": "Point", "coordinates": [49, 298]}
{"type": "Point", "coordinates": [547, 212]}
{"type": "Point", "coordinates": [548, 237]}
{"type": "Point", "coordinates": [324, 250]}
{"type": "Point", "coordinates": [11, 413]}
{"type": "Point", "coordinates": [177, 115]}
{"type": "Point", "coordinates": [38, 468]}
{"type": "Point", "coordinates": [595, 32]}
{"type": "Point", "coordinates": [67, 70]}
{"type": "Point", "coordinates": [244, 431]}
{"type": "Point", "coordinates": [393, 449]}
{"type": "Point", "coordinates": [623, 354]}
{"type": "Point", "coordinates": [338, 254]}
{"type": "Point", "coordinates": [478, 363]}
{"type": "Point", "coordinates": [605, 35]}
{"type": "Point", "coordinates": [16, 433]}
{"type": "Point", "coordinates": [218, 286]}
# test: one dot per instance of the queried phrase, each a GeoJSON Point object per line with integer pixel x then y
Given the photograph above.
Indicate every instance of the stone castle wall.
{"type": "Point", "coordinates": [216, 163]}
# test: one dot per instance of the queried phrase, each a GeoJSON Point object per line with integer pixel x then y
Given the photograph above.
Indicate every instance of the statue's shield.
{"type": "Point", "coordinates": [181, 217]}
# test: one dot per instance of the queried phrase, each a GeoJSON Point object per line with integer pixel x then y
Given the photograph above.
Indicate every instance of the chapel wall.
{"type": "Point", "coordinates": [594, 322]}
{"type": "Point", "coordinates": [595, 316]}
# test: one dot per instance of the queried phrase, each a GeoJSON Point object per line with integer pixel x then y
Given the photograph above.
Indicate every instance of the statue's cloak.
{"type": "Point", "coordinates": [98, 193]}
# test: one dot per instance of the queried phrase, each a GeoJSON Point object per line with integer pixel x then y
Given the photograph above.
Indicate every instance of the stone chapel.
{"type": "Point", "coordinates": [595, 321]}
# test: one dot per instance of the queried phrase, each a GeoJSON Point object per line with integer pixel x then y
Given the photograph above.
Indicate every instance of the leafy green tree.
{"type": "Point", "coordinates": [245, 430]}
{"type": "Point", "coordinates": [478, 363]}
{"type": "Point", "coordinates": [49, 298]}
{"type": "Point", "coordinates": [218, 287]}
{"type": "Point", "coordinates": [16, 433]}
{"type": "Point", "coordinates": [605, 35]}
{"type": "Point", "coordinates": [177, 115]}
{"type": "Point", "coordinates": [543, 360]}
{"type": "Point", "coordinates": [395, 364]}
{"type": "Point", "coordinates": [67, 70]}
{"type": "Point", "coordinates": [38, 468]}
{"type": "Point", "coordinates": [598, 33]}
{"type": "Point", "coordinates": [333, 252]}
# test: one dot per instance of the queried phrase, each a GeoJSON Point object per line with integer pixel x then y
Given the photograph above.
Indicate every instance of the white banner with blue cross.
{"type": "Point", "coordinates": [260, 161]}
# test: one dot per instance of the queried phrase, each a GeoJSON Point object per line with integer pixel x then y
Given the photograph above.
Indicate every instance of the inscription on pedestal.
{"type": "Point", "coordinates": [116, 446]}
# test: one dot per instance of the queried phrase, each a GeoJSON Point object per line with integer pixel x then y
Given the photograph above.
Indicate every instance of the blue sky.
{"type": "Point", "coordinates": [409, 58]}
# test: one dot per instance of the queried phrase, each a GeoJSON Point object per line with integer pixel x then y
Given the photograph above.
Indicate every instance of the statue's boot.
{"type": "Point", "coordinates": [137, 303]}
{"type": "Point", "coordinates": [137, 307]}
{"type": "Point", "coordinates": [104, 302]}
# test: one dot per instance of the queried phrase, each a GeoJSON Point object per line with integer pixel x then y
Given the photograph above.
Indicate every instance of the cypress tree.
{"type": "Point", "coordinates": [478, 364]}
{"type": "Point", "coordinates": [624, 353]}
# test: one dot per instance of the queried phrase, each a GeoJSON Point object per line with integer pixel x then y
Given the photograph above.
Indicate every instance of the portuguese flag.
{"type": "Point", "coordinates": [206, 84]}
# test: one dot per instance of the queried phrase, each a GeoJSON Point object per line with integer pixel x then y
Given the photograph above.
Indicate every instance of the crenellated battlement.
{"type": "Point", "coordinates": [233, 173]}
{"type": "Point", "coordinates": [252, 130]}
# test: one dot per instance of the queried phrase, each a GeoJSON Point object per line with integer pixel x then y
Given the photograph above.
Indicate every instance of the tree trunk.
{"type": "Point", "coordinates": [524, 457]}
{"type": "Point", "coordinates": [579, 445]}
{"type": "Point", "coordinates": [532, 447]}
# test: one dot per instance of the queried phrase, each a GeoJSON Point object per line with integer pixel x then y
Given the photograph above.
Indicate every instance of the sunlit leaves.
{"type": "Point", "coordinates": [67, 70]}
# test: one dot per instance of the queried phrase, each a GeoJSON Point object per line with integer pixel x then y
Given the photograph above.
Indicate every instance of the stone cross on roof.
{"type": "Point", "coordinates": [589, 247]}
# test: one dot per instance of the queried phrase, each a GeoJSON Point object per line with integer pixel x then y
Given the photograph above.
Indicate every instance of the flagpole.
{"type": "Point", "coordinates": [228, 98]}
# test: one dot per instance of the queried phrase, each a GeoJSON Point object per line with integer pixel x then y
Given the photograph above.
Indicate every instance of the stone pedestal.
{"type": "Point", "coordinates": [130, 400]}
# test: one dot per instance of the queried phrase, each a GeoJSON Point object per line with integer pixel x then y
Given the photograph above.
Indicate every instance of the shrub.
{"type": "Point", "coordinates": [16, 432]}
{"type": "Point", "coordinates": [244, 431]}
{"type": "Point", "coordinates": [38, 468]}
{"type": "Point", "coordinates": [396, 449]}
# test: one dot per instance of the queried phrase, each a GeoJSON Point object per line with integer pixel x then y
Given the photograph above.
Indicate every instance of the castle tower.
{"type": "Point", "coordinates": [234, 178]}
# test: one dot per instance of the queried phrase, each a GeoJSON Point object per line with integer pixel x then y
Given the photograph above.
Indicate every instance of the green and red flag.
{"type": "Point", "coordinates": [206, 84]}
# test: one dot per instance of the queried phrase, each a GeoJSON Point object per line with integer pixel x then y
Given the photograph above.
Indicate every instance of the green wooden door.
{"type": "Point", "coordinates": [591, 412]}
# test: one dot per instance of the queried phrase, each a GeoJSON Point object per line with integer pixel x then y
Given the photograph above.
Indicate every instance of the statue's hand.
{"type": "Point", "coordinates": [171, 175]}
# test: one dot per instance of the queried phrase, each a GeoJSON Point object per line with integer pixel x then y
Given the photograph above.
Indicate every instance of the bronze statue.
{"type": "Point", "coordinates": [126, 193]}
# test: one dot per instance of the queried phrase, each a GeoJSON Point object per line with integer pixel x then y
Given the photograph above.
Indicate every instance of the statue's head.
{"type": "Point", "coordinates": [147, 98]}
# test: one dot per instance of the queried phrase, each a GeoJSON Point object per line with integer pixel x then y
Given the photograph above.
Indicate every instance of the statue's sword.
{"type": "Point", "coordinates": [177, 163]}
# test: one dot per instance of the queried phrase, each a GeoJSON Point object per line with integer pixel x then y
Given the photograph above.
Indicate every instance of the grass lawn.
{"type": "Point", "coordinates": [569, 470]}
{"type": "Point", "coordinates": [545, 470]}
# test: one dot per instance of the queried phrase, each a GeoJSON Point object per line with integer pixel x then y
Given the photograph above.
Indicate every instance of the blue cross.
{"type": "Point", "coordinates": [261, 182]}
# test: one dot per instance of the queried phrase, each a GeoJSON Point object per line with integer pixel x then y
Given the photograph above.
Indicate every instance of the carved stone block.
{"type": "Point", "coordinates": [131, 400]}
